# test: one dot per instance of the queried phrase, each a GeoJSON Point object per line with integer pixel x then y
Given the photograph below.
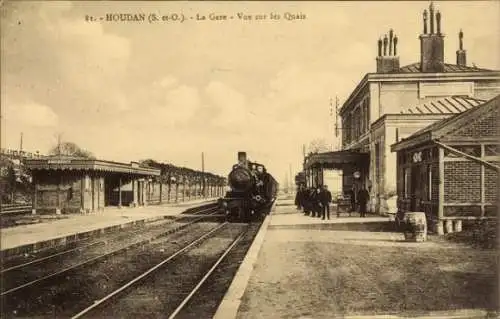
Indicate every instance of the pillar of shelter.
{"type": "Point", "coordinates": [35, 195]}
{"type": "Point", "coordinates": [135, 192]}
{"type": "Point", "coordinates": [145, 187]}
{"type": "Point", "coordinates": [168, 191]}
{"type": "Point", "coordinates": [183, 191]}
{"type": "Point", "coordinates": [120, 192]}
{"type": "Point", "coordinates": [161, 191]}
{"type": "Point", "coordinates": [176, 192]}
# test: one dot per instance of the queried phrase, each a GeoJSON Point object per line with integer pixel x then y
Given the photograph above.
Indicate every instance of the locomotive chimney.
{"type": "Point", "coordinates": [242, 158]}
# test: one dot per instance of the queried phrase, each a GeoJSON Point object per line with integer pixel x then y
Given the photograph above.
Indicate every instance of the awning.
{"type": "Point", "coordinates": [70, 164]}
{"type": "Point", "coordinates": [337, 160]}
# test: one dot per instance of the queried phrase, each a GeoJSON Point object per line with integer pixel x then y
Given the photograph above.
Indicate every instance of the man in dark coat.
{"type": "Point", "coordinates": [363, 199]}
{"type": "Point", "coordinates": [314, 197]}
{"type": "Point", "coordinates": [352, 196]}
{"type": "Point", "coordinates": [306, 201]}
{"type": "Point", "coordinates": [325, 199]}
{"type": "Point", "coordinates": [298, 198]}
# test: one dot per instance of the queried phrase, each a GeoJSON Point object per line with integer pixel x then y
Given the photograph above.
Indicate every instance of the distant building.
{"type": "Point", "coordinates": [396, 101]}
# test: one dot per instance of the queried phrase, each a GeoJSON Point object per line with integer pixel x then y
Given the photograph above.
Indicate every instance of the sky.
{"type": "Point", "coordinates": [168, 90]}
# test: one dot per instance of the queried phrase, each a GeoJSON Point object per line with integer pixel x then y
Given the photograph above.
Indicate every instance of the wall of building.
{"type": "Point", "coordinates": [425, 196]}
{"type": "Point", "coordinates": [486, 89]}
{"type": "Point", "coordinates": [93, 193]}
{"type": "Point", "coordinates": [55, 190]}
{"type": "Point", "coordinates": [386, 133]}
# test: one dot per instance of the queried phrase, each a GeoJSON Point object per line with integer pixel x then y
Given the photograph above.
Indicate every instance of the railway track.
{"type": "Point", "coordinates": [181, 261]}
{"type": "Point", "coordinates": [19, 280]}
{"type": "Point", "coordinates": [15, 209]}
{"type": "Point", "coordinates": [111, 304]}
{"type": "Point", "coordinates": [77, 246]}
{"type": "Point", "coordinates": [115, 244]}
{"type": "Point", "coordinates": [176, 286]}
{"type": "Point", "coordinates": [68, 292]}
{"type": "Point", "coordinates": [174, 273]}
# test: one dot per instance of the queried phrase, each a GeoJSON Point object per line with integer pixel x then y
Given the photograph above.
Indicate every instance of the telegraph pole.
{"type": "Point", "coordinates": [21, 143]}
{"type": "Point", "coordinates": [59, 144]}
{"type": "Point", "coordinates": [203, 172]}
{"type": "Point", "coordinates": [336, 123]}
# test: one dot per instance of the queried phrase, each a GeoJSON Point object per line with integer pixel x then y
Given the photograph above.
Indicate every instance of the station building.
{"type": "Point", "coordinates": [449, 170]}
{"type": "Point", "coordinates": [74, 185]}
{"type": "Point", "coordinates": [82, 185]}
{"type": "Point", "coordinates": [396, 101]}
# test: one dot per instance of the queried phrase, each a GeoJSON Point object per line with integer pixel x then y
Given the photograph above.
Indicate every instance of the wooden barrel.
{"type": "Point", "coordinates": [416, 226]}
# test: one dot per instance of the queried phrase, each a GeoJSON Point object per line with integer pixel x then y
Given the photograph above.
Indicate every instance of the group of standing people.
{"type": "Point", "coordinates": [315, 201]}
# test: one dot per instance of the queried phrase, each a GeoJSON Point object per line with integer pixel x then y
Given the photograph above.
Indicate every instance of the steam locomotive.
{"type": "Point", "coordinates": [252, 191]}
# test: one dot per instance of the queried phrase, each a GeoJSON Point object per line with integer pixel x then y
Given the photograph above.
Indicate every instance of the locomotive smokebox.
{"type": "Point", "coordinates": [240, 179]}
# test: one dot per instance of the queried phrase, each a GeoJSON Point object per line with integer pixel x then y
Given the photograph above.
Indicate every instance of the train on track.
{"type": "Point", "coordinates": [252, 191]}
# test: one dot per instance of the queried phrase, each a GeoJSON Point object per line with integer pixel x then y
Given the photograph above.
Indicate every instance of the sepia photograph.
{"type": "Point", "coordinates": [249, 159]}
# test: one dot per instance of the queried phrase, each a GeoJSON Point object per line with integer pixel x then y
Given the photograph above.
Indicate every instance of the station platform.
{"type": "Point", "coordinates": [351, 267]}
{"type": "Point", "coordinates": [28, 238]}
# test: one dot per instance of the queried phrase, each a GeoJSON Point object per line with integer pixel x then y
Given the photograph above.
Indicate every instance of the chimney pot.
{"type": "Point", "coordinates": [425, 21]}
{"type": "Point", "coordinates": [431, 11]}
{"type": "Point", "coordinates": [432, 46]}
{"type": "Point", "coordinates": [385, 45]}
{"type": "Point", "coordinates": [379, 47]}
{"type": "Point", "coordinates": [438, 22]}
{"type": "Point", "coordinates": [461, 54]}
{"type": "Point", "coordinates": [461, 39]}
{"type": "Point", "coordinates": [391, 34]}
{"type": "Point", "coordinates": [395, 45]}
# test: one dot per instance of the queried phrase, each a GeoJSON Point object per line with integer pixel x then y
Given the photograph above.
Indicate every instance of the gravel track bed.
{"type": "Point", "coordinates": [158, 295]}
{"type": "Point", "coordinates": [207, 299]}
{"type": "Point", "coordinates": [66, 295]}
{"type": "Point", "coordinates": [17, 277]}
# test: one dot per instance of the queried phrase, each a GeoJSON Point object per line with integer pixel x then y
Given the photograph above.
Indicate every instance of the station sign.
{"type": "Point", "coordinates": [417, 157]}
{"type": "Point", "coordinates": [59, 161]}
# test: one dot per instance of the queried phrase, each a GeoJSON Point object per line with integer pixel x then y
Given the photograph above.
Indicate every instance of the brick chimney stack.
{"type": "Point", "coordinates": [387, 63]}
{"type": "Point", "coordinates": [432, 44]}
{"type": "Point", "coordinates": [461, 56]}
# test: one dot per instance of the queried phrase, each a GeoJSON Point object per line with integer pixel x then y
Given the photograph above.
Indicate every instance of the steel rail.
{"type": "Point", "coordinates": [50, 256]}
{"type": "Point", "coordinates": [143, 275]}
{"type": "Point", "coordinates": [99, 242]}
{"type": "Point", "coordinates": [88, 261]}
{"type": "Point", "coordinates": [195, 289]}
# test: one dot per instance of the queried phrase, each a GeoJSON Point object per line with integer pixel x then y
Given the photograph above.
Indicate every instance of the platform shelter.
{"type": "Point", "coordinates": [450, 169]}
{"type": "Point", "coordinates": [81, 185]}
{"type": "Point", "coordinates": [354, 167]}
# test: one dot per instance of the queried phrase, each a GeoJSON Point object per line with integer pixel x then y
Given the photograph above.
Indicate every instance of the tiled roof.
{"type": "Point", "coordinates": [448, 68]}
{"type": "Point", "coordinates": [447, 105]}
{"type": "Point", "coordinates": [442, 123]}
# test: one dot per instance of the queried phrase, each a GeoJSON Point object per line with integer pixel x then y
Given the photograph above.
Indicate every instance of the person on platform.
{"type": "Point", "coordinates": [312, 201]}
{"type": "Point", "coordinates": [306, 202]}
{"type": "Point", "coordinates": [325, 199]}
{"type": "Point", "coordinates": [318, 206]}
{"type": "Point", "coordinates": [352, 197]}
{"type": "Point", "coordinates": [298, 198]}
{"type": "Point", "coordinates": [363, 199]}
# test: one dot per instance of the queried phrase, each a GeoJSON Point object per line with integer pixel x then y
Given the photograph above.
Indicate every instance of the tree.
{"type": "Point", "coordinates": [70, 149]}
{"type": "Point", "coordinates": [15, 181]}
{"type": "Point", "coordinates": [318, 145]}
